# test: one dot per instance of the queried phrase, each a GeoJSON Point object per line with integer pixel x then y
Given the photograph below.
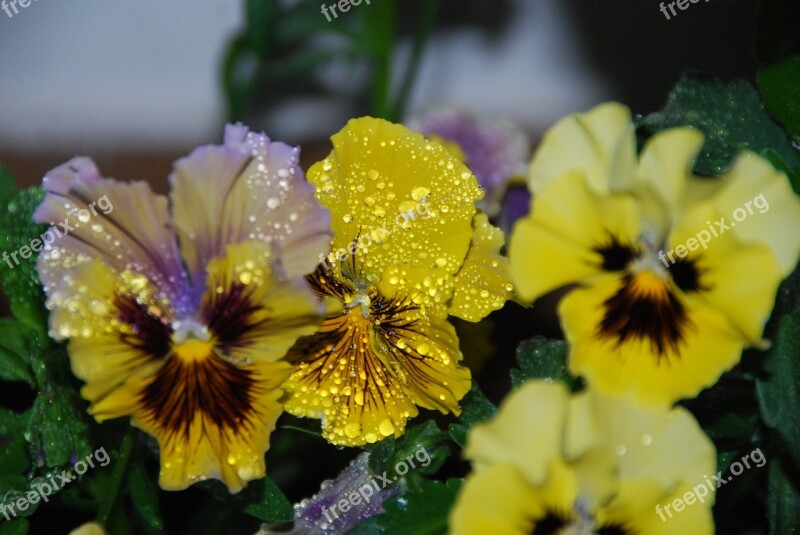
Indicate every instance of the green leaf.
{"type": "Point", "coordinates": [476, 408]}
{"type": "Point", "coordinates": [780, 86]}
{"type": "Point", "coordinates": [20, 280]}
{"type": "Point", "coordinates": [540, 358]}
{"type": "Point", "coordinates": [732, 118]}
{"type": "Point", "coordinates": [58, 424]}
{"type": "Point", "coordinates": [424, 512]}
{"type": "Point", "coordinates": [425, 445]}
{"type": "Point", "coordinates": [238, 71]}
{"type": "Point", "coordinates": [15, 527]}
{"type": "Point", "coordinates": [783, 500]}
{"type": "Point", "coordinates": [779, 392]}
{"type": "Point", "coordinates": [262, 18]}
{"type": "Point", "coordinates": [261, 499]}
{"type": "Point", "coordinates": [14, 460]}
{"type": "Point", "coordinates": [14, 364]}
{"type": "Point", "coordinates": [144, 496]}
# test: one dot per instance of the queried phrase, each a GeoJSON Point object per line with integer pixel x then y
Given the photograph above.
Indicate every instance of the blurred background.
{"type": "Point", "coordinates": [137, 83]}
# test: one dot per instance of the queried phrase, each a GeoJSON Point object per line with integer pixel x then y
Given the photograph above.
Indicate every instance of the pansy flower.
{"type": "Point", "coordinates": [178, 313]}
{"type": "Point", "coordinates": [671, 275]}
{"type": "Point", "coordinates": [408, 250]}
{"type": "Point", "coordinates": [550, 463]}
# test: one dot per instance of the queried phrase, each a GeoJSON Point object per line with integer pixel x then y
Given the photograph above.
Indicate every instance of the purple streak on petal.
{"type": "Point", "coordinates": [124, 225]}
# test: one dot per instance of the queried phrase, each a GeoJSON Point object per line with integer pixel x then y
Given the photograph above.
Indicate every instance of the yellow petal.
{"type": "Point", "coordinates": [632, 369]}
{"type": "Point", "coordinates": [652, 443]}
{"type": "Point", "coordinates": [251, 311]}
{"type": "Point", "coordinates": [666, 163]}
{"type": "Point", "coordinates": [527, 432]}
{"type": "Point", "coordinates": [557, 243]}
{"type": "Point", "coordinates": [726, 267]}
{"type": "Point", "coordinates": [365, 379]}
{"type": "Point", "coordinates": [408, 195]}
{"type": "Point", "coordinates": [90, 528]}
{"type": "Point", "coordinates": [640, 506]}
{"type": "Point", "coordinates": [761, 203]}
{"type": "Point", "coordinates": [498, 500]}
{"type": "Point", "coordinates": [599, 143]}
{"type": "Point", "coordinates": [483, 283]}
{"type": "Point", "coordinates": [212, 419]}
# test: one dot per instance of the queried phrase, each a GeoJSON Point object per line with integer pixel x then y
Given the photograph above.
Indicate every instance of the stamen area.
{"type": "Point", "coordinates": [193, 350]}
{"type": "Point", "coordinates": [644, 308]}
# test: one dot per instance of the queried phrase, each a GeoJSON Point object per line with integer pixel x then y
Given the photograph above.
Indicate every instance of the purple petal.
{"type": "Point", "coordinates": [248, 188]}
{"type": "Point", "coordinates": [125, 225]}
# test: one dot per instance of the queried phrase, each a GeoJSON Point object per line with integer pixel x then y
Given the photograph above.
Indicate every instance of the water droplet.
{"type": "Point", "coordinates": [386, 427]}
{"type": "Point", "coordinates": [420, 193]}
{"type": "Point", "coordinates": [347, 218]}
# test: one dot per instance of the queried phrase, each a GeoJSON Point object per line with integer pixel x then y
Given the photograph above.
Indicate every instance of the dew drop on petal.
{"type": "Point", "coordinates": [386, 428]}
{"type": "Point", "coordinates": [352, 430]}
{"type": "Point", "coordinates": [420, 193]}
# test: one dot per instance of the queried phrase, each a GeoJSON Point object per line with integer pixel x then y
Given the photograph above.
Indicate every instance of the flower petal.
{"type": "Point", "coordinates": [498, 500]}
{"type": "Point", "coordinates": [771, 208]}
{"type": "Point", "coordinates": [527, 432]}
{"type": "Point", "coordinates": [561, 241]}
{"type": "Point", "coordinates": [483, 283]}
{"type": "Point", "coordinates": [250, 188]}
{"type": "Point", "coordinates": [725, 265]}
{"type": "Point", "coordinates": [599, 143]}
{"type": "Point", "coordinates": [708, 346]}
{"type": "Point", "coordinates": [666, 163]}
{"type": "Point", "coordinates": [212, 419]}
{"type": "Point", "coordinates": [384, 179]}
{"type": "Point", "coordinates": [250, 312]}
{"type": "Point", "coordinates": [125, 225]}
{"type": "Point", "coordinates": [365, 380]}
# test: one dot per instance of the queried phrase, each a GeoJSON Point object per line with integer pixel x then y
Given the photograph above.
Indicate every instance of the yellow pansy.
{"type": "Point", "coordinates": [553, 463]}
{"type": "Point", "coordinates": [671, 274]}
{"type": "Point", "coordinates": [408, 249]}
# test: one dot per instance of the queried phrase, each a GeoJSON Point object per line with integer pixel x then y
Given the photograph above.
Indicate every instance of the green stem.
{"type": "Point", "coordinates": [430, 12]}
{"type": "Point", "coordinates": [382, 34]}
{"type": "Point", "coordinates": [120, 468]}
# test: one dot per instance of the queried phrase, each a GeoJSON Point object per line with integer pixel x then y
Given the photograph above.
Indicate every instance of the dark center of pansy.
{"type": "Point", "coordinates": [195, 380]}
{"type": "Point", "coordinates": [615, 256]}
{"type": "Point", "coordinates": [686, 275]}
{"type": "Point", "coordinates": [555, 523]}
{"type": "Point", "coordinates": [644, 309]}
{"type": "Point", "coordinates": [197, 375]}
